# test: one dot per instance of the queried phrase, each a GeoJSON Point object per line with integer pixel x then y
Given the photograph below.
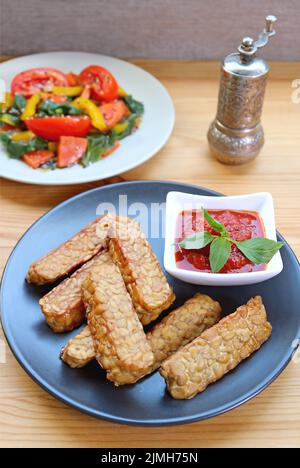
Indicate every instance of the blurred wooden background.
{"type": "Point", "coordinates": [168, 29]}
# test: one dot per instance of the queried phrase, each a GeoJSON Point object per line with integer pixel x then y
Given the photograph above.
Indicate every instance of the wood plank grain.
{"type": "Point", "coordinates": [194, 69]}
{"type": "Point", "coordinates": [29, 417]}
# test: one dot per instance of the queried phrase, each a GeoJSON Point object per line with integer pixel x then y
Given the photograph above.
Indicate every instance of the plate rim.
{"type": "Point", "coordinates": [77, 181]}
{"type": "Point", "coordinates": [119, 419]}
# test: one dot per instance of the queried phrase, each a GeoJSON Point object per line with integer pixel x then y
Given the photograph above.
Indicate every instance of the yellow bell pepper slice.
{"type": "Point", "coordinates": [23, 136]}
{"type": "Point", "coordinates": [6, 118]}
{"type": "Point", "coordinates": [67, 90]}
{"type": "Point", "coordinates": [8, 102]}
{"type": "Point", "coordinates": [52, 146]}
{"type": "Point", "coordinates": [31, 105]}
{"type": "Point", "coordinates": [120, 127]}
{"type": "Point", "coordinates": [9, 99]}
{"type": "Point", "coordinates": [122, 92]}
{"type": "Point", "coordinates": [138, 121]}
{"type": "Point", "coordinates": [90, 108]}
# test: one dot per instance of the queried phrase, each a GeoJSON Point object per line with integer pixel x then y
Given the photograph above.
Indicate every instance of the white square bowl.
{"type": "Point", "coordinates": [262, 203]}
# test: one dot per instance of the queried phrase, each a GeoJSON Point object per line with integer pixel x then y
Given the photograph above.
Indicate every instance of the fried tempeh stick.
{"type": "Point", "coordinates": [79, 351]}
{"type": "Point", "coordinates": [120, 343]}
{"type": "Point", "coordinates": [182, 325]}
{"type": "Point", "coordinates": [217, 351]}
{"type": "Point", "coordinates": [175, 330]}
{"type": "Point", "coordinates": [63, 306]}
{"type": "Point", "coordinates": [141, 271]}
{"type": "Point", "coordinates": [72, 253]}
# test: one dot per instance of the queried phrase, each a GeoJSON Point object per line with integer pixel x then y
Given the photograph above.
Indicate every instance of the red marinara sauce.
{"type": "Point", "coordinates": [241, 225]}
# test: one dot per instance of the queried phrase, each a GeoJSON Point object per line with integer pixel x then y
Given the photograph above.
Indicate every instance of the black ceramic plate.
{"type": "Point", "coordinates": [147, 402]}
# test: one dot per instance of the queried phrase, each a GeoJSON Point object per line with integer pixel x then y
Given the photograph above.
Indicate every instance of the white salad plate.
{"type": "Point", "coordinates": [262, 203]}
{"type": "Point", "coordinates": [155, 129]}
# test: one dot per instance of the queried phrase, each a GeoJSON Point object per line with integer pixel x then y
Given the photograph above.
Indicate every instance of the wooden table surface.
{"type": "Point", "coordinates": [29, 417]}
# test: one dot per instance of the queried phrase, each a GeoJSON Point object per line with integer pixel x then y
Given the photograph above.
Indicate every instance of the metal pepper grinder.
{"type": "Point", "coordinates": [236, 135]}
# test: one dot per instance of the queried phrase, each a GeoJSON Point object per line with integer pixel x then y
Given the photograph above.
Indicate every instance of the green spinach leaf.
{"type": "Point", "coordinates": [16, 149]}
{"type": "Point", "coordinates": [129, 122]}
{"type": "Point", "coordinates": [133, 105]}
{"type": "Point", "coordinates": [49, 108]}
{"type": "Point", "coordinates": [98, 144]}
{"type": "Point", "coordinates": [19, 103]}
{"type": "Point", "coordinates": [17, 107]}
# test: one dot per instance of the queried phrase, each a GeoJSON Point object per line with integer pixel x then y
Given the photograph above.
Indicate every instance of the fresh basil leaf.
{"type": "Point", "coordinates": [197, 240]}
{"type": "Point", "coordinates": [134, 106]}
{"type": "Point", "coordinates": [220, 249]}
{"type": "Point", "coordinates": [259, 249]}
{"type": "Point", "coordinates": [219, 227]}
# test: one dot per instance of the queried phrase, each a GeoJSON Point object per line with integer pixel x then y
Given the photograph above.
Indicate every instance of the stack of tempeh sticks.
{"type": "Point", "coordinates": [119, 287]}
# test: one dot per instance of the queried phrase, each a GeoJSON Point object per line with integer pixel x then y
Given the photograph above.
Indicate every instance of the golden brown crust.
{"type": "Point", "coordinates": [63, 306]}
{"type": "Point", "coordinates": [175, 330]}
{"type": "Point", "coordinates": [217, 351]}
{"type": "Point", "coordinates": [72, 253]}
{"type": "Point", "coordinates": [182, 325]}
{"type": "Point", "coordinates": [119, 340]}
{"type": "Point", "coordinates": [79, 350]}
{"type": "Point", "coordinates": [141, 271]}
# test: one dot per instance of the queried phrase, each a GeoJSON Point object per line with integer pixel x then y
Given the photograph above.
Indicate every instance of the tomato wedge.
{"type": "Point", "coordinates": [113, 112]}
{"type": "Point", "coordinates": [87, 91]}
{"type": "Point", "coordinates": [52, 128]}
{"type": "Point", "coordinates": [36, 158]}
{"type": "Point", "coordinates": [104, 85]}
{"type": "Point", "coordinates": [70, 150]}
{"type": "Point", "coordinates": [72, 79]}
{"type": "Point", "coordinates": [35, 80]}
{"type": "Point", "coordinates": [53, 97]}
{"type": "Point", "coordinates": [6, 128]}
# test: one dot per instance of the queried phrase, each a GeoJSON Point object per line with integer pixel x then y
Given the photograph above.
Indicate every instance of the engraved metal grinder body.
{"type": "Point", "coordinates": [236, 135]}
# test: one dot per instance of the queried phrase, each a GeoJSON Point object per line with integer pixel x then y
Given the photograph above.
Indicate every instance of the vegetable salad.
{"type": "Point", "coordinates": [54, 120]}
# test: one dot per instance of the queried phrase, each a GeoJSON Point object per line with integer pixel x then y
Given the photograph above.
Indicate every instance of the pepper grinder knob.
{"type": "Point", "coordinates": [270, 21]}
{"type": "Point", "coordinates": [268, 31]}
